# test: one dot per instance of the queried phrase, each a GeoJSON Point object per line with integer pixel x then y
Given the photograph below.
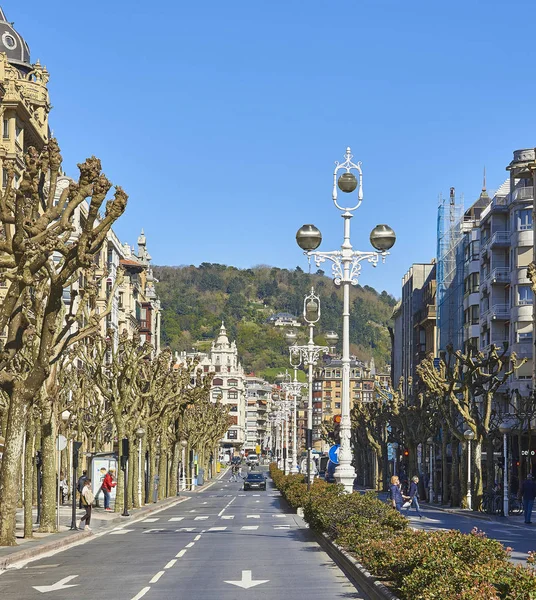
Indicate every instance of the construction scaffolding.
{"type": "Point", "coordinates": [450, 272]}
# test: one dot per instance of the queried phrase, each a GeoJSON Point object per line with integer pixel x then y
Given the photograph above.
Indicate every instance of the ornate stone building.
{"type": "Point", "coordinates": [24, 99]}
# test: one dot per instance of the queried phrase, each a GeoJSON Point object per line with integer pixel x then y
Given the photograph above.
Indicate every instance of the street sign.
{"type": "Point", "coordinates": [61, 444]}
{"type": "Point", "coordinates": [334, 454]}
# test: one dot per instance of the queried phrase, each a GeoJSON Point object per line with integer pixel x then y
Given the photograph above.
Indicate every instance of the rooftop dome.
{"type": "Point", "coordinates": [13, 44]}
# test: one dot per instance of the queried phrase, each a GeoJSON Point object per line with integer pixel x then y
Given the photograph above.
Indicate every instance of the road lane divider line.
{"type": "Point", "coordinates": [156, 577]}
{"type": "Point", "coordinates": [150, 520]}
{"type": "Point", "coordinates": [181, 554]}
{"type": "Point", "coordinates": [250, 527]}
{"type": "Point", "coordinates": [170, 563]}
{"type": "Point", "coordinates": [141, 593]}
{"type": "Point", "coordinates": [226, 507]}
{"type": "Point", "coordinates": [197, 537]}
{"type": "Point", "coordinates": [190, 545]}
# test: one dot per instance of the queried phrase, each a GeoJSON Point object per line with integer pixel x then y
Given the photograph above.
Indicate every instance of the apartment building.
{"type": "Point", "coordinates": [258, 406]}
{"type": "Point", "coordinates": [327, 389]}
{"type": "Point", "coordinates": [228, 386]}
{"type": "Point", "coordinates": [414, 318]}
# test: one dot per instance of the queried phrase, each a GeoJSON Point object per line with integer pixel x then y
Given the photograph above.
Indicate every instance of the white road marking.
{"type": "Point", "coordinates": [58, 586]}
{"type": "Point", "coordinates": [170, 564]}
{"type": "Point", "coordinates": [185, 529]}
{"type": "Point", "coordinates": [193, 510]}
{"type": "Point", "coordinates": [250, 527]}
{"type": "Point", "coordinates": [279, 516]}
{"type": "Point", "coordinates": [190, 545]}
{"type": "Point", "coordinates": [156, 577]}
{"type": "Point", "coordinates": [200, 518]}
{"type": "Point", "coordinates": [176, 518]}
{"type": "Point", "coordinates": [151, 530]}
{"type": "Point", "coordinates": [253, 516]}
{"type": "Point", "coordinates": [247, 582]}
{"type": "Point", "coordinates": [257, 500]}
{"type": "Point", "coordinates": [141, 593]}
{"type": "Point", "coordinates": [197, 538]}
{"type": "Point", "coordinates": [281, 526]}
{"type": "Point", "coordinates": [227, 517]}
{"type": "Point", "coordinates": [226, 507]}
{"type": "Point", "coordinates": [120, 531]}
{"type": "Point", "coordinates": [181, 554]}
{"type": "Point", "coordinates": [256, 495]}
{"type": "Point", "coordinates": [150, 520]}
{"type": "Point", "coordinates": [204, 502]}
{"type": "Point", "coordinates": [242, 495]}
{"type": "Point", "coordinates": [217, 528]}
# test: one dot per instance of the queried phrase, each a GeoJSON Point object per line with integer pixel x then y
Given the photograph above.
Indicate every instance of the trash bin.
{"type": "Point", "coordinates": [201, 477]}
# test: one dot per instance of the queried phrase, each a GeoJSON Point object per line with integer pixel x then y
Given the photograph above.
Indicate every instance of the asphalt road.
{"type": "Point", "coordinates": [221, 544]}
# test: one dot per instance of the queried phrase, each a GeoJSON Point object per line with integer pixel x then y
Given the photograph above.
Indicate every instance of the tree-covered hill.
{"type": "Point", "coordinates": [196, 299]}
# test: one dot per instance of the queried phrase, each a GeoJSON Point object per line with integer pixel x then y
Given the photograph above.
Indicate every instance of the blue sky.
{"type": "Point", "coordinates": [222, 120]}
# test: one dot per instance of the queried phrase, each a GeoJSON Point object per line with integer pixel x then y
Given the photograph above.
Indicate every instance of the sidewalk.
{"type": "Point", "coordinates": [101, 521]}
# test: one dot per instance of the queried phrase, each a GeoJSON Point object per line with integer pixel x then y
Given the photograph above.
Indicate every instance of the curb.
{"type": "Point", "coordinates": [355, 571]}
{"type": "Point", "coordinates": [70, 539]}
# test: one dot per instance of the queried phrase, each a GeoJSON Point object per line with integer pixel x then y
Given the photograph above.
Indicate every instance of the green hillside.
{"type": "Point", "coordinates": [196, 299]}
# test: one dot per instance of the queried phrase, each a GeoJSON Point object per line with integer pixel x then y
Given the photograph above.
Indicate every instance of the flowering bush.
{"type": "Point", "coordinates": [418, 565]}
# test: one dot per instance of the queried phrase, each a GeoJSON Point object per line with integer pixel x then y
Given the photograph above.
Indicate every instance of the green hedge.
{"type": "Point", "coordinates": [417, 565]}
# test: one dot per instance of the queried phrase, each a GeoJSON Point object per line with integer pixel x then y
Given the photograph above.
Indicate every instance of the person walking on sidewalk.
{"type": "Point", "coordinates": [87, 502]}
{"type": "Point", "coordinates": [413, 496]}
{"type": "Point", "coordinates": [80, 486]}
{"type": "Point", "coordinates": [107, 484]}
{"type": "Point", "coordinates": [527, 493]}
{"type": "Point", "coordinates": [397, 499]}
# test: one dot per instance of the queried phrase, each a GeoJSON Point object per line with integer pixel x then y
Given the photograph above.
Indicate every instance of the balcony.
{"type": "Point", "coordinates": [499, 345]}
{"type": "Point", "coordinates": [500, 239]}
{"type": "Point", "coordinates": [521, 194]}
{"type": "Point", "coordinates": [500, 275]}
{"type": "Point", "coordinates": [500, 312]}
{"type": "Point", "coordinates": [428, 314]}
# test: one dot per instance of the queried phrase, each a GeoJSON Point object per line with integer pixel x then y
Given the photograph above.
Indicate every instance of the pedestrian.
{"type": "Point", "coordinates": [87, 502]}
{"type": "Point", "coordinates": [107, 484]}
{"type": "Point", "coordinates": [414, 496]}
{"type": "Point", "coordinates": [397, 498]}
{"type": "Point", "coordinates": [527, 493]}
{"type": "Point", "coordinates": [64, 488]}
{"type": "Point", "coordinates": [80, 486]}
{"type": "Point", "coordinates": [234, 473]}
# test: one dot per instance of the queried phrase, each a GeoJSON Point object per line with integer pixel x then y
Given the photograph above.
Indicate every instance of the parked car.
{"type": "Point", "coordinates": [255, 481]}
{"type": "Point", "coordinates": [252, 459]}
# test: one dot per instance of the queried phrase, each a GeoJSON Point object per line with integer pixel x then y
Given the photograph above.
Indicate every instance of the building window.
{"type": "Point", "coordinates": [471, 283]}
{"type": "Point", "coordinates": [232, 434]}
{"type": "Point", "coordinates": [472, 251]}
{"type": "Point", "coordinates": [337, 373]}
{"type": "Point", "coordinates": [337, 384]}
{"type": "Point", "coordinates": [217, 381]}
{"type": "Point", "coordinates": [232, 395]}
{"type": "Point", "coordinates": [337, 405]}
{"type": "Point", "coordinates": [524, 219]}
{"type": "Point", "coordinates": [525, 295]}
{"type": "Point", "coordinates": [232, 382]}
{"type": "Point", "coordinates": [234, 408]}
{"type": "Point", "coordinates": [6, 129]}
{"type": "Point", "coordinates": [216, 393]}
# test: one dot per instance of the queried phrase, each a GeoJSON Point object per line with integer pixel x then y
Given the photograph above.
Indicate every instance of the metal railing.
{"type": "Point", "coordinates": [500, 275]}
{"type": "Point", "coordinates": [523, 193]}
{"type": "Point", "coordinates": [500, 311]}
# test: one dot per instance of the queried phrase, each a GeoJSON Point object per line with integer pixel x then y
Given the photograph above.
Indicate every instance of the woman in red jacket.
{"type": "Point", "coordinates": [107, 484]}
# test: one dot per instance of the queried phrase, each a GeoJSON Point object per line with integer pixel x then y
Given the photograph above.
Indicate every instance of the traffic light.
{"type": "Point", "coordinates": [337, 428]}
{"type": "Point", "coordinates": [76, 450]}
{"type": "Point", "coordinates": [406, 452]}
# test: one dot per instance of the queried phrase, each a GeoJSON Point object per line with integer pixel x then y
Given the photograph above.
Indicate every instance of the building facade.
{"type": "Point", "coordinates": [258, 406]}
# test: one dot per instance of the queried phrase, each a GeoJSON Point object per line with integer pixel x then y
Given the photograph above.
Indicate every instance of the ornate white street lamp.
{"type": "Point", "coordinates": [308, 354]}
{"type": "Point", "coordinates": [346, 268]}
{"type": "Point", "coordinates": [469, 435]}
{"type": "Point", "coordinates": [293, 391]}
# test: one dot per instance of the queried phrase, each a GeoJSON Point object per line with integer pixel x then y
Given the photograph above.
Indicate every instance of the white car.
{"type": "Point", "coordinates": [252, 459]}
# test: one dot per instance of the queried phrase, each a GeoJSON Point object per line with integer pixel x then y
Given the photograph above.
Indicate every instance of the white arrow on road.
{"type": "Point", "coordinates": [56, 587]}
{"type": "Point", "coordinates": [247, 582]}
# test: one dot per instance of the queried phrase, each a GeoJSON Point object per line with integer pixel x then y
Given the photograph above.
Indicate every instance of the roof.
{"type": "Point", "coordinates": [13, 44]}
{"type": "Point", "coordinates": [130, 263]}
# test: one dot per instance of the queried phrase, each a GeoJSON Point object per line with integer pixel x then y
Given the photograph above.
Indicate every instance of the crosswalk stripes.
{"type": "Point", "coordinates": [249, 527]}
{"type": "Point", "coordinates": [217, 528]}
{"type": "Point", "coordinates": [253, 516]}
{"type": "Point", "coordinates": [228, 517]}
{"type": "Point", "coordinates": [200, 518]}
{"type": "Point", "coordinates": [176, 519]}
{"type": "Point", "coordinates": [150, 520]}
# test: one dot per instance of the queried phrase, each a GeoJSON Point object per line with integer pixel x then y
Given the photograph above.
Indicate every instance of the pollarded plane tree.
{"type": "Point", "coordinates": [469, 383]}
{"type": "Point", "coordinates": [370, 420]}
{"type": "Point", "coordinates": [39, 257]}
{"type": "Point", "coordinates": [166, 388]}
{"type": "Point", "coordinates": [114, 365]}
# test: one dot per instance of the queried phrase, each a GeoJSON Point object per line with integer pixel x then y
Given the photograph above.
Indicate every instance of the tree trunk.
{"type": "Point", "coordinates": [132, 468]}
{"type": "Point", "coordinates": [49, 474]}
{"type": "Point", "coordinates": [455, 473]}
{"type": "Point", "coordinates": [490, 465]}
{"type": "Point", "coordinates": [153, 472]}
{"type": "Point", "coordinates": [173, 475]}
{"type": "Point", "coordinates": [445, 488]}
{"type": "Point", "coordinates": [162, 471]}
{"type": "Point", "coordinates": [11, 466]}
{"type": "Point", "coordinates": [29, 464]}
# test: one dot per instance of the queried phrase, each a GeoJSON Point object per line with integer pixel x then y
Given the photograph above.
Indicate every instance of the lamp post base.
{"type": "Point", "coordinates": [345, 475]}
{"type": "Point", "coordinates": [294, 469]}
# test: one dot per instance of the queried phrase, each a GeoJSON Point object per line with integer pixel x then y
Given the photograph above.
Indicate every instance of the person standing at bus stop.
{"type": "Point", "coordinates": [107, 484]}
{"type": "Point", "coordinates": [527, 493]}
